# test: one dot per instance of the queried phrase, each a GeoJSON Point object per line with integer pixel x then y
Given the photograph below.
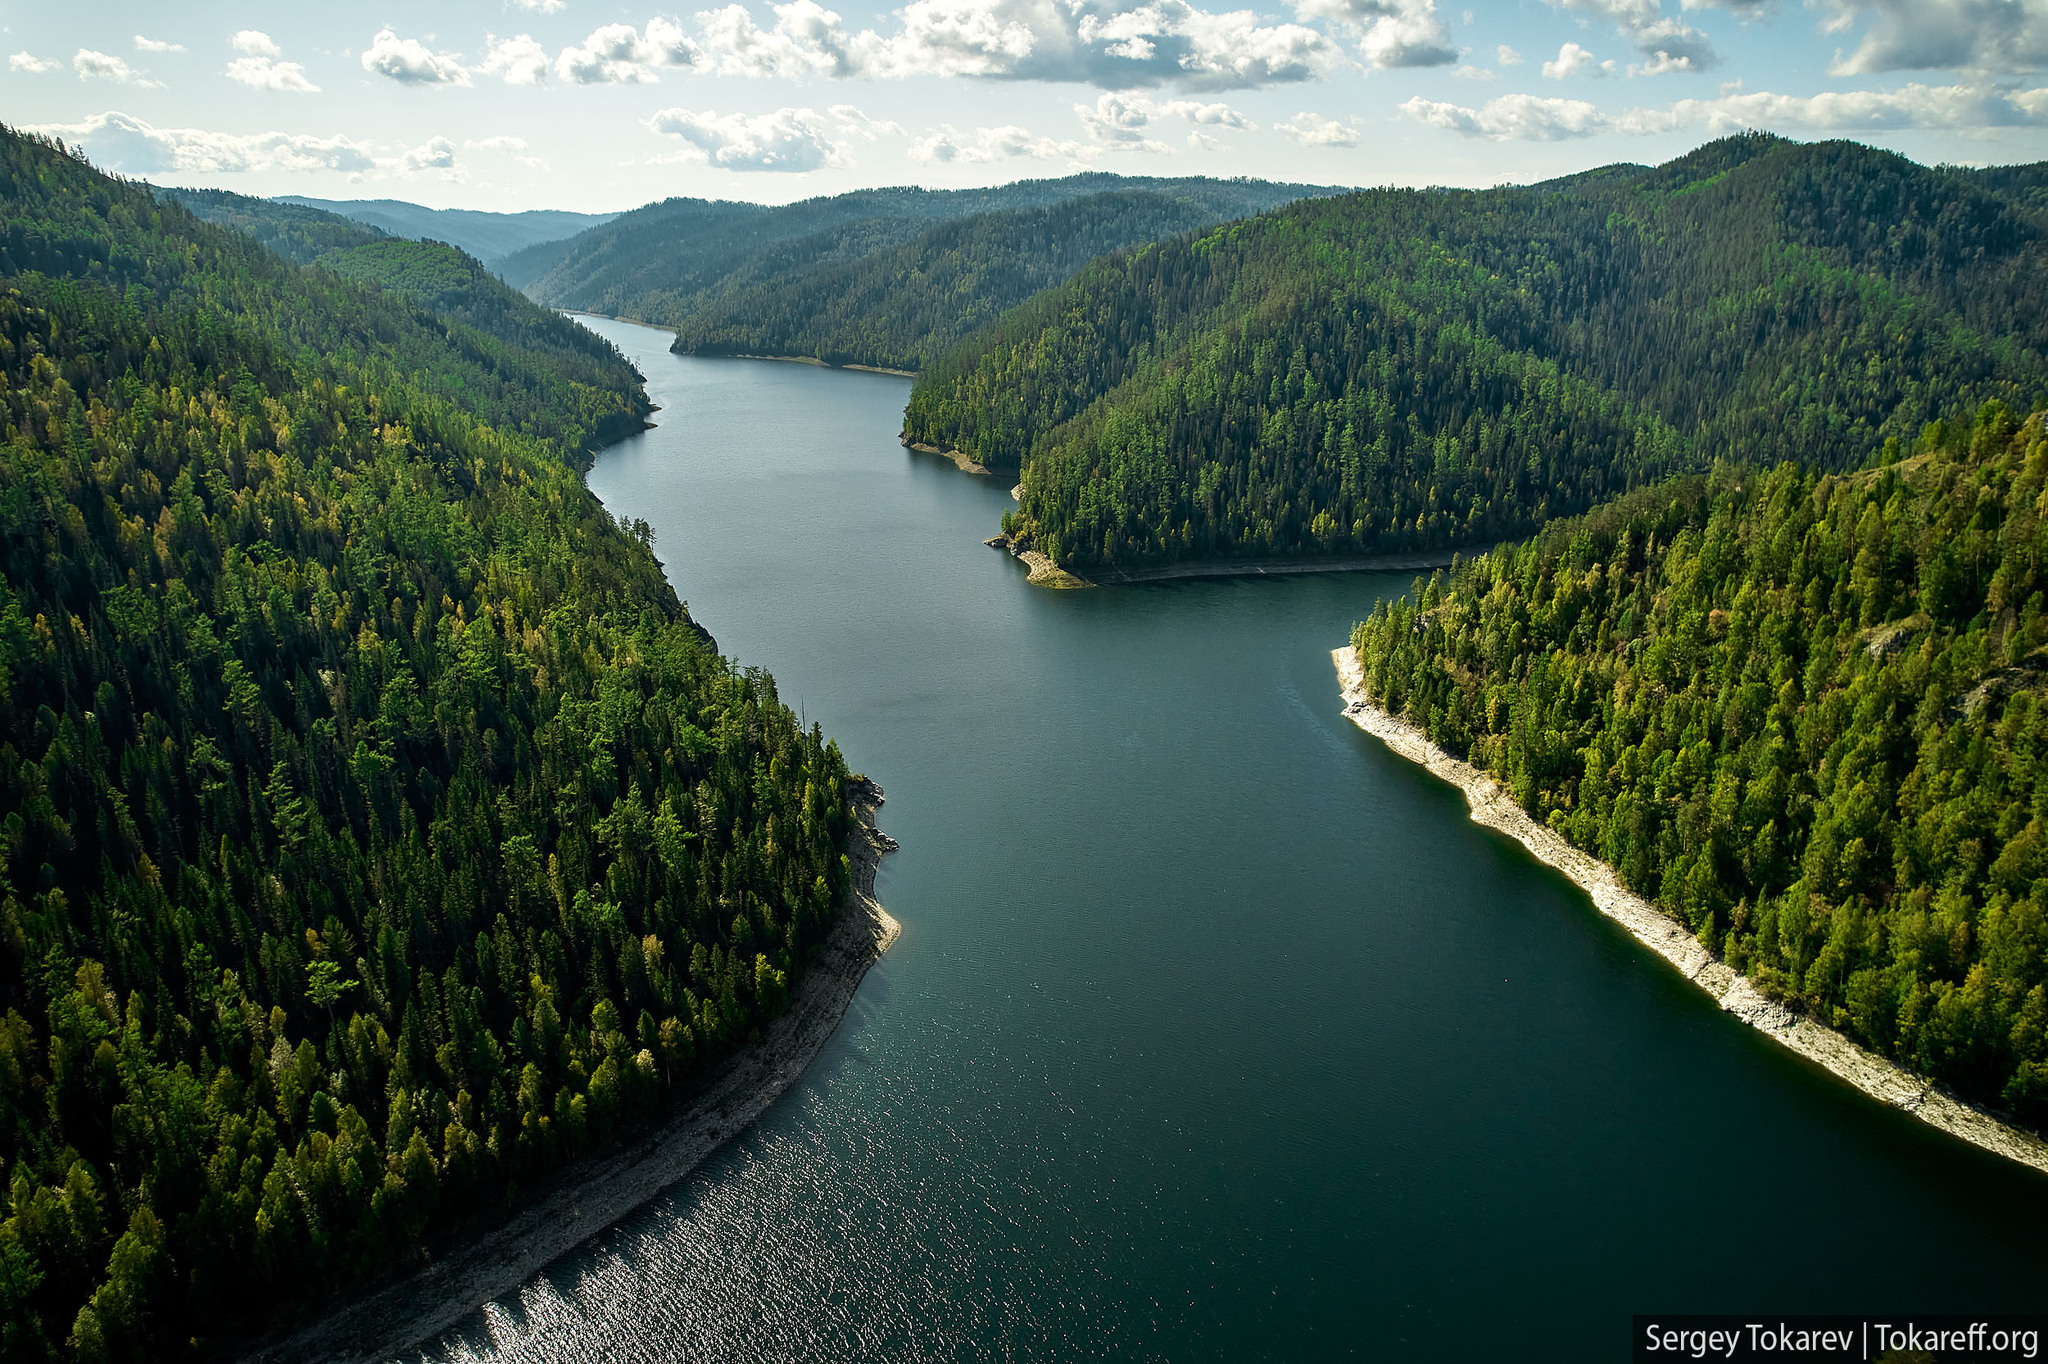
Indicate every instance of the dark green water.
{"type": "Point", "coordinates": [1216, 1031]}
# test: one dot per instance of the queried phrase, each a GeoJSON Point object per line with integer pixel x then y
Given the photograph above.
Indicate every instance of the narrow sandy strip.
{"type": "Point", "coordinates": [780, 359]}
{"type": "Point", "coordinates": [964, 462]}
{"type": "Point", "coordinates": [813, 360]}
{"type": "Point", "coordinates": [595, 1193]}
{"type": "Point", "coordinates": [1282, 568]}
{"type": "Point", "coordinates": [737, 355]}
{"type": "Point", "coordinates": [1658, 931]}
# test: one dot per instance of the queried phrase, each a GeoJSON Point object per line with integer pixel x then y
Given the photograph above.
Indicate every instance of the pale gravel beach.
{"type": "Point", "coordinates": [597, 1192]}
{"type": "Point", "coordinates": [1658, 931]}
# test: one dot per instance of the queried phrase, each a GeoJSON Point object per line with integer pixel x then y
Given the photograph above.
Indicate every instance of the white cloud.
{"type": "Point", "coordinates": [619, 54]}
{"type": "Point", "coordinates": [435, 154]}
{"type": "Point", "coordinates": [519, 60]}
{"type": "Point", "coordinates": [1168, 40]}
{"type": "Point", "coordinates": [1571, 60]}
{"type": "Point", "coordinates": [1507, 56]}
{"type": "Point", "coordinates": [786, 140]}
{"type": "Point", "coordinates": [1908, 35]}
{"type": "Point", "coordinates": [124, 143]}
{"type": "Point", "coordinates": [853, 123]}
{"type": "Point", "coordinates": [1210, 115]}
{"type": "Point", "coordinates": [807, 39]}
{"type": "Point", "coordinates": [1474, 73]}
{"type": "Point", "coordinates": [946, 145]}
{"type": "Point", "coordinates": [143, 44]}
{"type": "Point", "coordinates": [1104, 43]}
{"type": "Point", "coordinates": [542, 6]}
{"type": "Point", "coordinates": [1120, 120]}
{"type": "Point", "coordinates": [974, 38]}
{"type": "Point", "coordinates": [505, 145]}
{"type": "Point", "coordinates": [28, 63]}
{"type": "Point", "coordinates": [103, 66]}
{"type": "Point", "coordinates": [1667, 44]}
{"type": "Point", "coordinates": [1389, 33]}
{"type": "Point", "coordinates": [259, 68]}
{"type": "Point", "coordinates": [262, 73]}
{"type": "Point", "coordinates": [1954, 108]}
{"type": "Point", "coordinates": [410, 62]}
{"type": "Point", "coordinates": [1526, 118]}
{"type": "Point", "coordinates": [1960, 108]}
{"type": "Point", "coordinates": [1313, 130]}
{"type": "Point", "coordinates": [1660, 64]}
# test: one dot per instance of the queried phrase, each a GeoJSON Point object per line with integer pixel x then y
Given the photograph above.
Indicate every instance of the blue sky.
{"type": "Point", "coordinates": [518, 104]}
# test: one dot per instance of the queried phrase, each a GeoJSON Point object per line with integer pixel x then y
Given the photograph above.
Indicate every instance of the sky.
{"type": "Point", "coordinates": [577, 104]}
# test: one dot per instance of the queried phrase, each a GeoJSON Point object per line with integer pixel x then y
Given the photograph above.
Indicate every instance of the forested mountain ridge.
{"type": "Point", "coordinates": [493, 324]}
{"type": "Point", "coordinates": [490, 237]}
{"type": "Point", "coordinates": [378, 830]}
{"type": "Point", "coordinates": [295, 231]}
{"type": "Point", "coordinates": [1397, 370]}
{"type": "Point", "coordinates": [899, 308]}
{"type": "Point", "coordinates": [661, 263]}
{"type": "Point", "coordinates": [1806, 713]}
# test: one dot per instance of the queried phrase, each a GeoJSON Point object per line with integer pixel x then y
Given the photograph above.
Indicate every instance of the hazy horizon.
{"type": "Point", "coordinates": [554, 104]}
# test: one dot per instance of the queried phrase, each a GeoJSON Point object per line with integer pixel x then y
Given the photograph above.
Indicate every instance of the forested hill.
{"type": "Point", "coordinates": [496, 324]}
{"type": "Point", "coordinates": [1804, 712]}
{"type": "Point", "coordinates": [901, 307]}
{"type": "Point", "coordinates": [376, 831]}
{"type": "Point", "coordinates": [661, 263]}
{"type": "Point", "coordinates": [1396, 370]}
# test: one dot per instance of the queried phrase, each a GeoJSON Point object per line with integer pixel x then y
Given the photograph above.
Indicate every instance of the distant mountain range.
{"type": "Point", "coordinates": [490, 237]}
{"type": "Point", "coordinates": [881, 276]}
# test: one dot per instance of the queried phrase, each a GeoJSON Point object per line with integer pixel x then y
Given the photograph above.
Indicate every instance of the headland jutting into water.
{"type": "Point", "coordinates": [1664, 935]}
{"type": "Point", "coordinates": [594, 1194]}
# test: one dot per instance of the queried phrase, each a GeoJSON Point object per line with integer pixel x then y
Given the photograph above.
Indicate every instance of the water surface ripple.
{"type": "Point", "coordinates": [1215, 1031]}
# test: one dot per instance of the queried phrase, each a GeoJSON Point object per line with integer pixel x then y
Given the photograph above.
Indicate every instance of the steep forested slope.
{"type": "Point", "coordinates": [1807, 713]}
{"type": "Point", "coordinates": [901, 307]}
{"type": "Point", "coordinates": [770, 267]}
{"type": "Point", "coordinates": [492, 324]}
{"type": "Point", "coordinates": [376, 830]}
{"type": "Point", "coordinates": [1396, 369]}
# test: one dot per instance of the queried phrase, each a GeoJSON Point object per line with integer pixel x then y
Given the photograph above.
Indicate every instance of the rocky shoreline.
{"type": "Point", "coordinates": [593, 1194]}
{"type": "Point", "coordinates": [1044, 572]}
{"type": "Point", "coordinates": [1875, 1076]}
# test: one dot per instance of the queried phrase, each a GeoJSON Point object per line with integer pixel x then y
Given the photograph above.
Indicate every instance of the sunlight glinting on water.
{"type": "Point", "coordinates": [1215, 1030]}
